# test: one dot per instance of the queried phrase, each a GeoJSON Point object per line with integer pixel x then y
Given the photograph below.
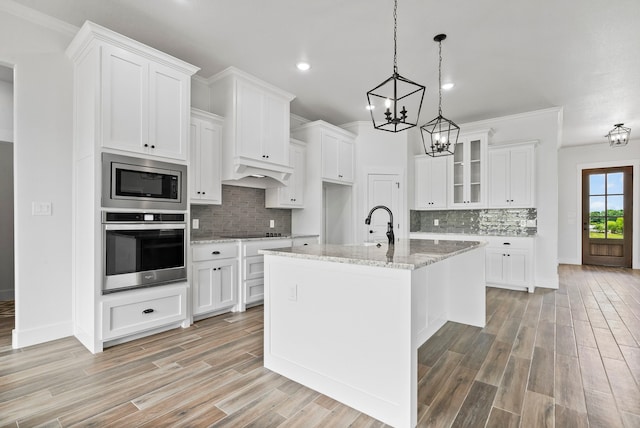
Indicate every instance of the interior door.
{"type": "Point", "coordinates": [607, 216]}
{"type": "Point", "coordinates": [383, 189]}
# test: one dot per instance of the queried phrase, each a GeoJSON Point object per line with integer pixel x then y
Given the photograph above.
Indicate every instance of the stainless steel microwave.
{"type": "Point", "coordinates": [136, 183]}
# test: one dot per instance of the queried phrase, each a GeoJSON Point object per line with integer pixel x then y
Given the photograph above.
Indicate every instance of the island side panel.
{"type": "Point", "coordinates": [344, 330]}
{"type": "Point", "coordinates": [467, 291]}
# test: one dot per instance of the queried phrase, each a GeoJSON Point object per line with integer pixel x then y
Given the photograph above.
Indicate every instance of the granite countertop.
{"type": "Point", "coordinates": [406, 254]}
{"type": "Point", "coordinates": [221, 239]}
{"type": "Point", "coordinates": [479, 234]}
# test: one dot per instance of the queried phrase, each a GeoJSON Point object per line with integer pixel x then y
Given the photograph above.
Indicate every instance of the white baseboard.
{"type": "Point", "coordinates": [569, 261]}
{"type": "Point", "coordinates": [34, 336]}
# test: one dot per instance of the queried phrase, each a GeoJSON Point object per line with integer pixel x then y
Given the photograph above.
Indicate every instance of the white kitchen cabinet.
{"type": "Point", "coordinates": [215, 285]}
{"type": "Point", "coordinates": [304, 240]}
{"type": "Point", "coordinates": [141, 310]}
{"type": "Point", "coordinates": [430, 182]}
{"type": "Point", "coordinates": [337, 157]}
{"type": "Point", "coordinates": [255, 137]}
{"type": "Point", "coordinates": [468, 172]}
{"type": "Point", "coordinates": [128, 98]}
{"type": "Point", "coordinates": [509, 262]}
{"type": "Point", "coordinates": [511, 176]}
{"type": "Point", "coordinates": [214, 276]}
{"type": "Point", "coordinates": [144, 104]}
{"type": "Point", "coordinates": [291, 195]}
{"type": "Point", "coordinates": [204, 173]}
{"type": "Point", "coordinates": [252, 284]}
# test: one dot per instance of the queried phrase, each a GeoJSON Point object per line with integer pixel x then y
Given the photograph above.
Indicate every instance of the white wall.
{"type": "Point", "coordinates": [200, 94]}
{"type": "Point", "coordinates": [6, 111]}
{"type": "Point", "coordinates": [43, 153]}
{"type": "Point", "coordinates": [571, 161]}
{"type": "Point", "coordinates": [544, 126]}
{"type": "Point", "coordinates": [379, 152]}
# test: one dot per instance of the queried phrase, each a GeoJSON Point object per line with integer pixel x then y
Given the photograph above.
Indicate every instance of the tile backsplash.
{"type": "Point", "coordinates": [509, 221]}
{"type": "Point", "coordinates": [242, 212]}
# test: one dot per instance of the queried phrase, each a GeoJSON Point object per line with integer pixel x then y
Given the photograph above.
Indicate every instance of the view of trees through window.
{"type": "Point", "coordinates": [606, 202]}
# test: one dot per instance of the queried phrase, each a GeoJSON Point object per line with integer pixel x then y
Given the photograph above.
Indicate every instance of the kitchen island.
{"type": "Point", "coordinates": [347, 320]}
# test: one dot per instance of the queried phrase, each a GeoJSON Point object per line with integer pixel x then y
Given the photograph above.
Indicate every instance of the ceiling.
{"type": "Point", "coordinates": [505, 56]}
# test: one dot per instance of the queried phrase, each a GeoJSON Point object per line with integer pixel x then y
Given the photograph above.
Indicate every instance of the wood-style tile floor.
{"type": "Point", "coordinates": [565, 358]}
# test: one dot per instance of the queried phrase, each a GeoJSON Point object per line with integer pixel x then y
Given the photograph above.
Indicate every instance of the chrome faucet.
{"type": "Point", "coordinates": [390, 235]}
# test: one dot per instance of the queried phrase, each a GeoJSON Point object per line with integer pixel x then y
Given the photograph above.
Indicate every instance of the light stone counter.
{"type": "Point", "coordinates": [222, 239]}
{"type": "Point", "coordinates": [405, 254]}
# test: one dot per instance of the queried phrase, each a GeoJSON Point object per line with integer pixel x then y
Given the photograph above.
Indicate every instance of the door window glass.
{"type": "Point", "coordinates": [606, 206]}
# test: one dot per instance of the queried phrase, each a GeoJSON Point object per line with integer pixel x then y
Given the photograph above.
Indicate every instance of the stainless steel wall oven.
{"type": "Point", "coordinates": [142, 249]}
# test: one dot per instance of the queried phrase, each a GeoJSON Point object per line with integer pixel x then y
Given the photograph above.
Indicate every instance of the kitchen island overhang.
{"type": "Point", "coordinates": [347, 321]}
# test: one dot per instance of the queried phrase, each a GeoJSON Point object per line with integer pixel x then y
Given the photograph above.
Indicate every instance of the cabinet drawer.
{"type": "Point", "coordinates": [510, 243]}
{"type": "Point", "coordinates": [254, 267]}
{"type": "Point", "coordinates": [137, 311]}
{"type": "Point", "coordinates": [225, 250]}
{"type": "Point", "coordinates": [252, 248]}
{"type": "Point", "coordinates": [254, 290]}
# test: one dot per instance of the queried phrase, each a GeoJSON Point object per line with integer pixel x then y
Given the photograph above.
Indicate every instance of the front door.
{"type": "Point", "coordinates": [607, 216]}
{"type": "Point", "coordinates": [384, 189]}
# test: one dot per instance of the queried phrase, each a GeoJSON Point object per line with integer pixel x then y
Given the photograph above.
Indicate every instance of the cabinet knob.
{"type": "Point", "coordinates": [146, 145]}
{"type": "Point", "coordinates": [198, 193]}
{"type": "Point", "coordinates": [153, 147]}
{"type": "Point", "coordinates": [371, 231]}
{"type": "Point", "coordinates": [148, 311]}
{"type": "Point", "coordinates": [203, 193]}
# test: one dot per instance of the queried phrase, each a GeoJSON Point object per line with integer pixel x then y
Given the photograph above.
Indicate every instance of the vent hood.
{"type": "Point", "coordinates": [251, 173]}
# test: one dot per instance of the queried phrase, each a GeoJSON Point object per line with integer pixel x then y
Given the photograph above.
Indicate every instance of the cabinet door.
{"type": "Point", "coordinates": [125, 103]}
{"type": "Point", "coordinates": [458, 185]}
{"type": "Point", "coordinates": [214, 285]}
{"type": "Point", "coordinates": [421, 185]}
{"type": "Point", "coordinates": [521, 176]}
{"type": "Point", "coordinates": [495, 266]}
{"type": "Point", "coordinates": [298, 162]}
{"type": "Point", "coordinates": [345, 161]}
{"type": "Point", "coordinates": [517, 269]}
{"type": "Point", "coordinates": [276, 130]}
{"type": "Point", "coordinates": [468, 173]}
{"type": "Point", "coordinates": [209, 163]}
{"type": "Point", "coordinates": [168, 112]}
{"type": "Point", "coordinates": [499, 178]}
{"type": "Point", "coordinates": [249, 126]}
{"type": "Point", "coordinates": [194, 169]}
{"type": "Point", "coordinates": [438, 182]}
{"type": "Point", "coordinates": [329, 156]}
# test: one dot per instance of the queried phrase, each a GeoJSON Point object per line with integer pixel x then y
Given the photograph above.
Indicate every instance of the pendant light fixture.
{"type": "Point", "coordinates": [395, 103]}
{"type": "Point", "coordinates": [619, 135]}
{"type": "Point", "coordinates": [440, 135]}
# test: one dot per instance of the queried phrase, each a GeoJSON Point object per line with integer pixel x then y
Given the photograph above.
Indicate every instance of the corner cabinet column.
{"type": "Point", "coordinates": [133, 100]}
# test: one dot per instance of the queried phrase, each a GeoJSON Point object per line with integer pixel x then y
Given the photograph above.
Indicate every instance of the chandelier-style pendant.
{"type": "Point", "coordinates": [619, 135]}
{"type": "Point", "coordinates": [395, 103]}
{"type": "Point", "coordinates": [440, 135]}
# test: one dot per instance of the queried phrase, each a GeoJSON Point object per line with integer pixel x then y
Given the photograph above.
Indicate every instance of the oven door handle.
{"type": "Point", "coordinates": [144, 226]}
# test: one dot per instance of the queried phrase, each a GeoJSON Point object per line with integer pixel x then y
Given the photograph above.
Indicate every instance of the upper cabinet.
{"type": "Point", "coordinates": [255, 137]}
{"type": "Point", "coordinates": [468, 173]}
{"type": "Point", "coordinates": [143, 95]}
{"type": "Point", "coordinates": [291, 195]}
{"type": "Point", "coordinates": [337, 150]}
{"type": "Point", "coordinates": [430, 185]}
{"type": "Point", "coordinates": [205, 186]}
{"type": "Point", "coordinates": [511, 176]}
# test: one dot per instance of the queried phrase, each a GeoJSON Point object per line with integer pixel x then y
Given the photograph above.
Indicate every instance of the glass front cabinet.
{"type": "Point", "coordinates": [468, 174]}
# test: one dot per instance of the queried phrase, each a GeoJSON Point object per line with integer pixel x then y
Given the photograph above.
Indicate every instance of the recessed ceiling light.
{"type": "Point", "coordinates": [447, 86]}
{"type": "Point", "coordinates": [303, 66]}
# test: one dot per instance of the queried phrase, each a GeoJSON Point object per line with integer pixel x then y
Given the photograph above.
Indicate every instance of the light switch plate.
{"type": "Point", "coordinates": [272, 223]}
{"type": "Point", "coordinates": [436, 222]}
{"type": "Point", "coordinates": [195, 223]}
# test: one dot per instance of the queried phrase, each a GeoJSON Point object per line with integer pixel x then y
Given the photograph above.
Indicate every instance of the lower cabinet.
{"type": "Point", "coordinates": [509, 262]}
{"type": "Point", "coordinates": [252, 287]}
{"type": "Point", "coordinates": [137, 311]}
{"type": "Point", "coordinates": [214, 278]}
{"type": "Point", "coordinates": [214, 285]}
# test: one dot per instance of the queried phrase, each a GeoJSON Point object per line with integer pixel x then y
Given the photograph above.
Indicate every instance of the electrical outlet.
{"type": "Point", "coordinates": [436, 222]}
{"type": "Point", "coordinates": [195, 223]}
{"type": "Point", "coordinates": [272, 223]}
{"type": "Point", "coordinates": [40, 208]}
{"type": "Point", "coordinates": [532, 223]}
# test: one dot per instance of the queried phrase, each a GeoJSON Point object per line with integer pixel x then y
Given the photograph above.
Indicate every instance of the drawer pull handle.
{"type": "Point", "coordinates": [506, 243]}
{"type": "Point", "coordinates": [148, 311]}
{"type": "Point", "coordinates": [215, 253]}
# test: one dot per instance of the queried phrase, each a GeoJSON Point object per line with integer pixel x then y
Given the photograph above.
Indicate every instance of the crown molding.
{"type": "Point", "coordinates": [39, 18]}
